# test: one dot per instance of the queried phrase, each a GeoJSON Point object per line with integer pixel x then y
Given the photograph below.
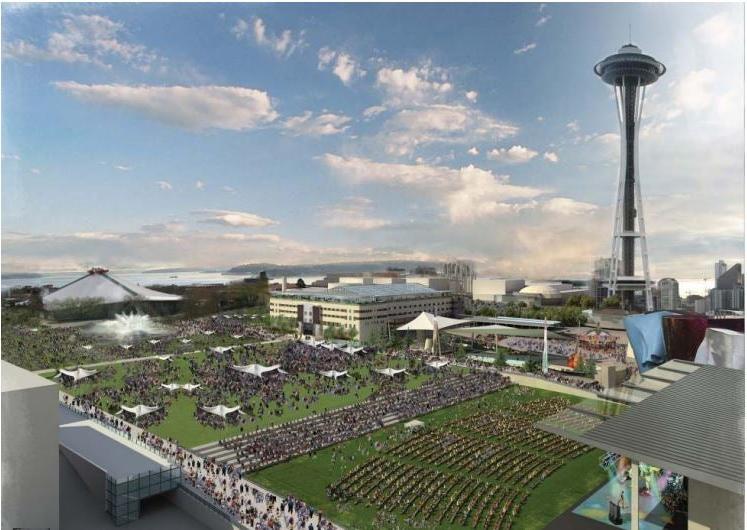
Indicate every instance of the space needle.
{"type": "Point", "coordinates": [629, 71]}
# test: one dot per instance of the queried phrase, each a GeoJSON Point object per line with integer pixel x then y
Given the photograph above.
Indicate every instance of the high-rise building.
{"type": "Point", "coordinates": [728, 295]}
{"type": "Point", "coordinates": [599, 276]}
{"type": "Point", "coordinates": [719, 269]}
{"type": "Point", "coordinates": [462, 273]}
{"type": "Point", "coordinates": [669, 294]}
{"type": "Point", "coordinates": [629, 71]}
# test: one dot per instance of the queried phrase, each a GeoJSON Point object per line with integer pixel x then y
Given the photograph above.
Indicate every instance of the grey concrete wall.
{"type": "Point", "coordinates": [712, 508]}
{"type": "Point", "coordinates": [30, 459]}
{"type": "Point", "coordinates": [92, 476]}
{"type": "Point", "coordinates": [196, 509]}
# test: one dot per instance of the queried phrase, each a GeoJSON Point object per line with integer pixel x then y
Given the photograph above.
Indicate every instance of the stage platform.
{"type": "Point", "coordinates": [118, 457]}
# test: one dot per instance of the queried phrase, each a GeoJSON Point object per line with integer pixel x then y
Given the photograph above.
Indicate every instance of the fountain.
{"type": "Point", "coordinates": [124, 326]}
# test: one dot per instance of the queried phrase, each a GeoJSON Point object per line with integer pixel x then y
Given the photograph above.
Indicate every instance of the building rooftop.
{"type": "Point", "coordinates": [15, 378]}
{"type": "Point", "coordinates": [693, 426]}
{"type": "Point", "coordinates": [363, 293]}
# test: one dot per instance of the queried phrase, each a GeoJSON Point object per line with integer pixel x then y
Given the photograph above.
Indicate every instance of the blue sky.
{"type": "Point", "coordinates": [149, 135]}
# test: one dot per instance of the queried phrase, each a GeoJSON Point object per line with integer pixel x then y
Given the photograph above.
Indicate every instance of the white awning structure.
{"type": "Point", "coordinates": [221, 349]}
{"type": "Point", "coordinates": [391, 372]}
{"type": "Point", "coordinates": [481, 359]}
{"type": "Point", "coordinates": [414, 425]}
{"type": "Point", "coordinates": [722, 347]}
{"type": "Point", "coordinates": [352, 350]}
{"type": "Point", "coordinates": [334, 373]}
{"type": "Point", "coordinates": [313, 342]}
{"type": "Point", "coordinates": [437, 364]}
{"type": "Point", "coordinates": [154, 341]}
{"type": "Point", "coordinates": [328, 346]}
{"type": "Point", "coordinates": [139, 410]}
{"type": "Point", "coordinates": [126, 346]}
{"type": "Point", "coordinates": [172, 386]}
{"type": "Point", "coordinates": [77, 375]}
{"type": "Point", "coordinates": [256, 369]}
{"type": "Point", "coordinates": [222, 410]}
{"type": "Point", "coordinates": [208, 332]}
{"type": "Point", "coordinates": [163, 357]}
{"type": "Point", "coordinates": [87, 347]}
{"type": "Point", "coordinates": [237, 337]}
{"type": "Point", "coordinates": [429, 322]}
{"type": "Point", "coordinates": [186, 341]}
{"type": "Point", "coordinates": [189, 387]}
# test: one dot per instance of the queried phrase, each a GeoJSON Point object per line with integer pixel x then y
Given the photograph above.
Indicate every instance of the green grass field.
{"type": "Point", "coordinates": [307, 477]}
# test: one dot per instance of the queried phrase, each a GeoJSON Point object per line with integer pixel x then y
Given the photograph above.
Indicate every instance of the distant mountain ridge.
{"type": "Point", "coordinates": [273, 270]}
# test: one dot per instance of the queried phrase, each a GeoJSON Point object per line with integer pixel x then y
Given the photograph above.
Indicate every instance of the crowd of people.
{"type": "Point", "coordinates": [262, 448]}
{"type": "Point", "coordinates": [566, 348]}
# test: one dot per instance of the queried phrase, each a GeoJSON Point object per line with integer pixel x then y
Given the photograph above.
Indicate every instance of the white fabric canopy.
{"type": "Point", "coordinates": [437, 364]}
{"type": "Point", "coordinates": [256, 369]}
{"type": "Point", "coordinates": [391, 372]}
{"type": "Point", "coordinates": [429, 322]}
{"type": "Point", "coordinates": [163, 357]}
{"type": "Point", "coordinates": [126, 346]}
{"type": "Point", "coordinates": [154, 341]}
{"type": "Point", "coordinates": [221, 349]}
{"type": "Point", "coordinates": [352, 350]}
{"type": "Point", "coordinates": [334, 373]}
{"type": "Point", "coordinates": [186, 341]}
{"type": "Point", "coordinates": [221, 410]}
{"type": "Point", "coordinates": [414, 424]}
{"type": "Point", "coordinates": [313, 342]}
{"type": "Point", "coordinates": [80, 373]}
{"type": "Point", "coordinates": [722, 347]}
{"type": "Point", "coordinates": [208, 332]}
{"type": "Point", "coordinates": [189, 387]}
{"type": "Point", "coordinates": [172, 386]}
{"type": "Point", "coordinates": [87, 347]}
{"type": "Point", "coordinates": [237, 337]}
{"type": "Point", "coordinates": [139, 410]}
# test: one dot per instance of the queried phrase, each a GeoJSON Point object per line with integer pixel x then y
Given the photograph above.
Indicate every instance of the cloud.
{"type": "Point", "coordinates": [471, 95]}
{"type": "Point", "coordinates": [550, 156]}
{"type": "Point", "coordinates": [343, 65]}
{"type": "Point", "coordinates": [164, 185]}
{"type": "Point", "coordinates": [321, 125]}
{"type": "Point", "coordinates": [525, 48]}
{"type": "Point", "coordinates": [123, 168]}
{"type": "Point", "coordinates": [353, 213]}
{"type": "Point", "coordinates": [373, 111]}
{"type": "Point", "coordinates": [264, 238]}
{"type": "Point", "coordinates": [192, 108]}
{"type": "Point", "coordinates": [467, 194]}
{"type": "Point", "coordinates": [516, 154]}
{"type": "Point", "coordinates": [228, 189]}
{"type": "Point", "coordinates": [694, 92]}
{"type": "Point", "coordinates": [200, 185]}
{"type": "Point", "coordinates": [91, 39]}
{"type": "Point", "coordinates": [566, 206]}
{"type": "Point", "coordinates": [543, 20]}
{"type": "Point", "coordinates": [720, 30]}
{"type": "Point", "coordinates": [474, 151]}
{"type": "Point", "coordinates": [283, 45]}
{"type": "Point", "coordinates": [573, 126]}
{"type": "Point", "coordinates": [233, 218]}
{"type": "Point", "coordinates": [6, 156]}
{"type": "Point", "coordinates": [416, 85]}
{"type": "Point", "coordinates": [411, 128]}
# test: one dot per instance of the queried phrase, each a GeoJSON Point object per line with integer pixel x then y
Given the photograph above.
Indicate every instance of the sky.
{"type": "Point", "coordinates": [210, 135]}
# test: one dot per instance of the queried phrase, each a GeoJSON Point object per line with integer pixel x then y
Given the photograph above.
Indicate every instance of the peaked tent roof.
{"type": "Point", "coordinates": [79, 373]}
{"type": "Point", "coordinates": [334, 373]}
{"type": "Point", "coordinates": [99, 284]}
{"type": "Point", "coordinates": [139, 410]}
{"type": "Point", "coordinates": [429, 322]}
{"type": "Point", "coordinates": [221, 410]}
{"type": "Point", "coordinates": [256, 369]}
{"type": "Point", "coordinates": [391, 372]}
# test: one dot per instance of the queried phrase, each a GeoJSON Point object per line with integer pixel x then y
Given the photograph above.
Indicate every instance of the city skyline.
{"type": "Point", "coordinates": [250, 133]}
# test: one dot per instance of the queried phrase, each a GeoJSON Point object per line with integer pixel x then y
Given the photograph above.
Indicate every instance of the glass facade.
{"type": "Point", "coordinates": [123, 495]}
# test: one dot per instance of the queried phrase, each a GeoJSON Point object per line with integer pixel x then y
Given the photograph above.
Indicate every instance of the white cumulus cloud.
{"type": "Point", "coordinates": [516, 154]}
{"type": "Point", "coordinates": [321, 125]}
{"type": "Point", "coordinates": [342, 64]}
{"type": "Point", "coordinates": [234, 218]}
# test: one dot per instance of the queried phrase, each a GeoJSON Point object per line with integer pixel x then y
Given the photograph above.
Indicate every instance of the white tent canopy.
{"type": "Point", "coordinates": [163, 357]}
{"type": "Point", "coordinates": [222, 349]}
{"type": "Point", "coordinates": [154, 341]}
{"type": "Point", "coordinates": [352, 350]}
{"type": "Point", "coordinates": [78, 374]}
{"type": "Point", "coordinates": [429, 322]}
{"type": "Point", "coordinates": [414, 425]}
{"type": "Point", "coordinates": [237, 337]}
{"type": "Point", "coordinates": [437, 364]}
{"type": "Point", "coordinates": [208, 332]}
{"type": "Point", "coordinates": [256, 369]}
{"type": "Point", "coordinates": [186, 341]}
{"type": "Point", "coordinates": [222, 410]}
{"type": "Point", "coordinates": [189, 387]}
{"type": "Point", "coordinates": [391, 372]}
{"type": "Point", "coordinates": [334, 373]}
{"type": "Point", "coordinates": [126, 346]}
{"type": "Point", "coordinates": [172, 386]}
{"type": "Point", "coordinates": [138, 410]}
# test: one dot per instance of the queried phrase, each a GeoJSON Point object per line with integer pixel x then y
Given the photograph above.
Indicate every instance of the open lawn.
{"type": "Point", "coordinates": [308, 477]}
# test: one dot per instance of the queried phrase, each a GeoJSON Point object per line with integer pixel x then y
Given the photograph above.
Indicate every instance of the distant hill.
{"type": "Point", "coordinates": [351, 267]}
{"type": "Point", "coordinates": [20, 275]}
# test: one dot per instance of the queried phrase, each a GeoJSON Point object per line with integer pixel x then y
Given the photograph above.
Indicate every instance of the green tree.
{"type": "Point", "coordinates": [487, 311]}
{"type": "Point", "coordinates": [500, 359]}
{"type": "Point", "coordinates": [611, 302]}
{"type": "Point", "coordinates": [300, 284]}
{"type": "Point", "coordinates": [532, 365]}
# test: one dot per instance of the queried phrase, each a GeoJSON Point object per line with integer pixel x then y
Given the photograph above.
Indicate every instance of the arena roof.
{"type": "Point", "coordinates": [694, 426]}
{"type": "Point", "coordinates": [361, 293]}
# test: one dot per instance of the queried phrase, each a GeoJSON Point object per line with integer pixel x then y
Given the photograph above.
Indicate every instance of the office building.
{"type": "Point", "coordinates": [669, 294]}
{"type": "Point", "coordinates": [719, 269]}
{"type": "Point", "coordinates": [494, 289]}
{"type": "Point", "coordinates": [728, 295]}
